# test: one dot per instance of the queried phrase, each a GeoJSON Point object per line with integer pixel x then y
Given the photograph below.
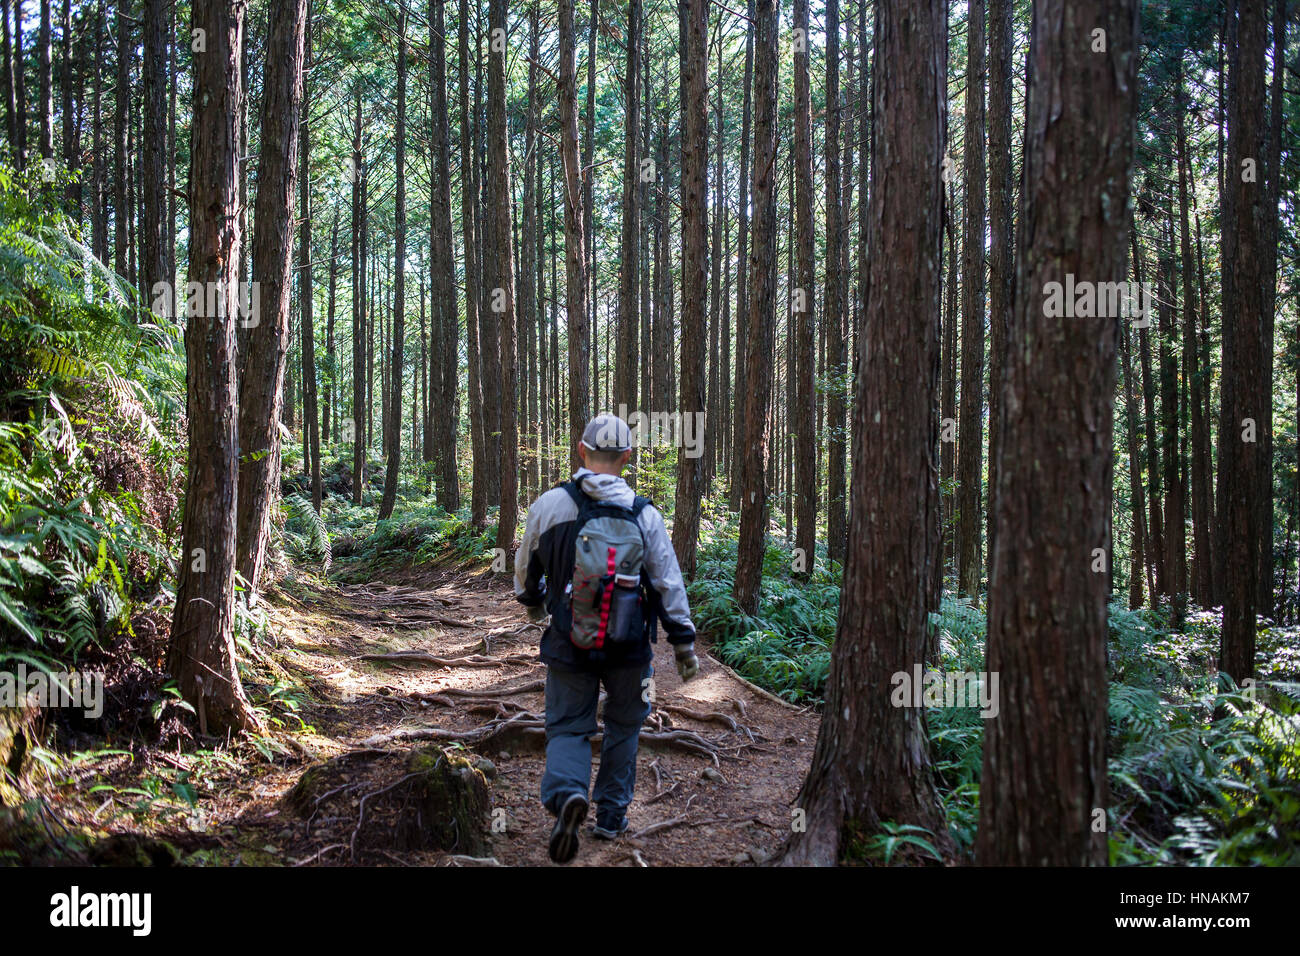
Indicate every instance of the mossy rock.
{"type": "Point", "coordinates": [444, 805]}
{"type": "Point", "coordinates": [302, 797]}
{"type": "Point", "coordinates": [433, 800]}
{"type": "Point", "coordinates": [17, 737]}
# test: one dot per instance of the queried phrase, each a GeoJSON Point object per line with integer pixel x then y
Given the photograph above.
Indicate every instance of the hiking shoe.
{"type": "Point", "coordinates": [564, 835]}
{"type": "Point", "coordinates": [609, 830]}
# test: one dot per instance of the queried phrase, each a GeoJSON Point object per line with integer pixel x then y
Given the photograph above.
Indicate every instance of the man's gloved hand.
{"type": "Point", "coordinates": [538, 614]}
{"type": "Point", "coordinates": [688, 665]}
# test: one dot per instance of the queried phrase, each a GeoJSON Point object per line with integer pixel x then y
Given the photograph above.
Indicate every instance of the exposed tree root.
{"type": "Point", "coordinates": [473, 660]}
{"type": "Point", "coordinates": [522, 725]}
{"type": "Point", "coordinates": [684, 740]}
{"type": "Point", "coordinates": [664, 794]}
{"type": "Point", "coordinates": [321, 852]}
{"type": "Point", "coordinates": [656, 827]}
{"type": "Point", "coordinates": [767, 695]}
{"type": "Point", "coordinates": [459, 859]}
{"type": "Point", "coordinates": [493, 708]}
{"type": "Point", "coordinates": [526, 730]}
{"type": "Point", "coordinates": [485, 645]}
{"type": "Point", "coordinates": [685, 821]}
{"type": "Point", "coordinates": [704, 717]}
{"type": "Point", "coordinates": [383, 595]}
{"type": "Point", "coordinates": [440, 696]}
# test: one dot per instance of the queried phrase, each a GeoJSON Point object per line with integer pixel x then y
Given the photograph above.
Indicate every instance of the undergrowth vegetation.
{"type": "Point", "coordinates": [92, 403]}
{"type": "Point", "coordinates": [91, 397]}
{"type": "Point", "coordinates": [1197, 776]}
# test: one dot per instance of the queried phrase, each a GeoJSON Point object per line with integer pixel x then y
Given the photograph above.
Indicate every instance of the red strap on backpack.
{"type": "Point", "coordinates": [604, 603]}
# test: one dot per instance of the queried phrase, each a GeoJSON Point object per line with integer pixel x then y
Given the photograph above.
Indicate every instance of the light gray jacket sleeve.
{"type": "Point", "coordinates": [527, 548]}
{"type": "Point", "coordinates": [547, 513]}
{"type": "Point", "coordinates": [666, 577]}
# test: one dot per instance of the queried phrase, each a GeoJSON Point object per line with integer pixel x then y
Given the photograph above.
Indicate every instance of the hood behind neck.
{"type": "Point", "coordinates": [609, 488]}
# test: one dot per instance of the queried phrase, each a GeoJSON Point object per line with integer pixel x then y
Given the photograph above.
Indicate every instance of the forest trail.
{"type": "Point", "coordinates": [718, 768]}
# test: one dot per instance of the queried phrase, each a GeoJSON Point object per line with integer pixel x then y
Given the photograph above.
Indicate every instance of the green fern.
{"type": "Point", "coordinates": [305, 531]}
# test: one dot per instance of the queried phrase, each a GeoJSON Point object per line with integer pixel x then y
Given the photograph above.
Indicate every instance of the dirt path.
{"type": "Point", "coordinates": [691, 808]}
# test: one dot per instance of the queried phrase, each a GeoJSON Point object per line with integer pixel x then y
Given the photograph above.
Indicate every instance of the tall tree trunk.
{"type": "Point", "coordinates": [329, 408]}
{"type": "Point", "coordinates": [646, 454]}
{"type": "Point", "coordinates": [441, 261]}
{"type": "Point", "coordinates": [421, 430]}
{"type": "Point", "coordinates": [490, 316]}
{"type": "Point", "coordinates": [201, 651]}
{"type": "Point", "coordinates": [805, 401]}
{"type": "Point", "coordinates": [1207, 414]}
{"type": "Point", "coordinates": [871, 761]}
{"type": "Point", "coordinates": [970, 432]}
{"type": "Point", "coordinates": [20, 87]}
{"type": "Point", "coordinates": [121, 113]}
{"type": "Point", "coordinates": [529, 293]}
{"type": "Point", "coordinates": [261, 389]}
{"type": "Point", "coordinates": [1269, 241]}
{"type": "Point", "coordinates": [948, 394]}
{"type": "Point", "coordinates": [310, 395]}
{"type": "Point", "coordinates": [44, 88]}
{"type": "Point", "coordinates": [68, 86]}
{"type": "Point", "coordinates": [7, 78]}
{"type": "Point", "coordinates": [171, 146]}
{"type": "Point", "coordinates": [1174, 519]}
{"type": "Point", "coordinates": [588, 203]}
{"type": "Point", "coordinates": [1137, 497]}
{"type": "Point", "coordinates": [837, 387]}
{"type": "Point", "coordinates": [469, 225]}
{"type": "Point", "coordinates": [864, 181]}
{"type": "Point", "coordinates": [662, 353]}
{"type": "Point", "coordinates": [1228, 74]}
{"type": "Point", "coordinates": [1156, 537]}
{"type": "Point", "coordinates": [1243, 391]}
{"type": "Point", "coordinates": [1001, 200]}
{"type": "Point", "coordinates": [1200, 477]}
{"type": "Point", "coordinates": [723, 423]}
{"type": "Point", "coordinates": [132, 205]}
{"type": "Point", "coordinates": [357, 426]}
{"type": "Point", "coordinates": [154, 261]}
{"type": "Point", "coordinates": [546, 357]}
{"type": "Point", "coordinates": [755, 448]}
{"type": "Point", "coordinates": [244, 107]}
{"type": "Point", "coordinates": [500, 200]}
{"type": "Point", "coordinates": [742, 295]}
{"type": "Point", "coordinates": [98, 196]}
{"type": "Point", "coordinates": [848, 343]}
{"type": "Point", "coordinates": [694, 17]}
{"type": "Point", "coordinates": [371, 318]}
{"type": "Point", "coordinates": [557, 396]}
{"type": "Point", "coordinates": [1044, 773]}
{"type": "Point", "coordinates": [575, 255]}
{"type": "Point", "coordinates": [394, 391]}
{"type": "Point", "coordinates": [629, 262]}
{"type": "Point", "coordinates": [713, 414]}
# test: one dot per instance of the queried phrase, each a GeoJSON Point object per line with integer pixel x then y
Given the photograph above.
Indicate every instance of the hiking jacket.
{"type": "Point", "coordinates": [544, 566]}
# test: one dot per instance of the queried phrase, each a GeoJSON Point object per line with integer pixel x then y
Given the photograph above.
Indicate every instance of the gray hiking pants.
{"type": "Point", "coordinates": [571, 698]}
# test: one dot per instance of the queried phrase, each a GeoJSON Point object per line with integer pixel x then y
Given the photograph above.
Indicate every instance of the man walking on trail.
{"type": "Point", "coordinates": [597, 561]}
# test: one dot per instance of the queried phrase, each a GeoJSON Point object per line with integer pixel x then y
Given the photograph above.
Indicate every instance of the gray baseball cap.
{"type": "Point", "coordinates": [607, 433]}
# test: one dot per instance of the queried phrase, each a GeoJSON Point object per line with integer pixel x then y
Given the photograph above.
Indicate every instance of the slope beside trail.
{"type": "Point", "coordinates": [448, 654]}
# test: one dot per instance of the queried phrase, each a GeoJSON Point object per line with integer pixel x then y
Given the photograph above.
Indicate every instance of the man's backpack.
{"type": "Point", "coordinates": [607, 596]}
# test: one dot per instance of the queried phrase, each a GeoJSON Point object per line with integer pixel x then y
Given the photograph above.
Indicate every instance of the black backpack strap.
{"type": "Point", "coordinates": [575, 492]}
{"type": "Point", "coordinates": [639, 505]}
